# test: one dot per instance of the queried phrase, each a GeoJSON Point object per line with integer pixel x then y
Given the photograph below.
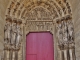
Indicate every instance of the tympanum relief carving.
{"type": "Point", "coordinates": [39, 13]}
{"type": "Point", "coordinates": [39, 19]}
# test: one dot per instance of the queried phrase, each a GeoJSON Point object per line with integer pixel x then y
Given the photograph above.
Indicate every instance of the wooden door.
{"type": "Point", "coordinates": [39, 46]}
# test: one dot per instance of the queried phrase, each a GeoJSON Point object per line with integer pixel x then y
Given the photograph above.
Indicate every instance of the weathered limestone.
{"type": "Point", "coordinates": [76, 20]}
{"type": "Point", "coordinates": [3, 6]}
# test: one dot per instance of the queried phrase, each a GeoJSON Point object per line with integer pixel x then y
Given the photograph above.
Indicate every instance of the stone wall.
{"type": "Point", "coordinates": [76, 20]}
{"type": "Point", "coordinates": [75, 5]}
{"type": "Point", "coordinates": [3, 6]}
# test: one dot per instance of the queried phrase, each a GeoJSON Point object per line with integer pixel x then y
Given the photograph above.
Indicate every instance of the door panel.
{"type": "Point", "coordinates": [40, 44]}
{"type": "Point", "coordinates": [31, 57]}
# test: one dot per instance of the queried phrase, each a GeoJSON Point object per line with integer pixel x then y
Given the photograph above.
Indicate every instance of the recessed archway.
{"type": "Point", "coordinates": [47, 15]}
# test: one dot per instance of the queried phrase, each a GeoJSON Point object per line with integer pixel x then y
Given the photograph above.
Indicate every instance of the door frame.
{"type": "Point", "coordinates": [53, 32]}
{"type": "Point", "coordinates": [41, 32]}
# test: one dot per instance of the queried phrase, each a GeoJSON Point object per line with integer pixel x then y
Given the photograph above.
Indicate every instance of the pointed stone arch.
{"type": "Point", "coordinates": [19, 8]}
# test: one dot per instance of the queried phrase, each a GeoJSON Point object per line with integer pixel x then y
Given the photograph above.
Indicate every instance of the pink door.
{"type": "Point", "coordinates": [39, 46]}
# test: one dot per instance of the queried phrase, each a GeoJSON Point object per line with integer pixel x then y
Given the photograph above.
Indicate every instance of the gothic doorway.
{"type": "Point", "coordinates": [37, 15]}
{"type": "Point", "coordinates": [39, 46]}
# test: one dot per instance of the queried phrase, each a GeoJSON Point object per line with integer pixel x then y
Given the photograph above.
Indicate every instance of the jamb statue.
{"type": "Point", "coordinates": [19, 34]}
{"type": "Point", "coordinates": [65, 32]}
{"type": "Point", "coordinates": [6, 33]}
{"type": "Point", "coordinates": [14, 32]}
{"type": "Point", "coordinates": [59, 33]}
{"type": "Point", "coordinates": [7, 30]}
{"type": "Point", "coordinates": [70, 31]}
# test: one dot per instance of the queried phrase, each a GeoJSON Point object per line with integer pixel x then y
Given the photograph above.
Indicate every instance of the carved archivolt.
{"type": "Point", "coordinates": [19, 8]}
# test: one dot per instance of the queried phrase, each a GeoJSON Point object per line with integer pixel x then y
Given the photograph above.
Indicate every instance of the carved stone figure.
{"type": "Point", "coordinates": [70, 31]}
{"type": "Point", "coordinates": [59, 33]}
{"type": "Point", "coordinates": [14, 32]}
{"type": "Point", "coordinates": [8, 31]}
{"type": "Point", "coordinates": [65, 32]}
{"type": "Point", "coordinates": [19, 34]}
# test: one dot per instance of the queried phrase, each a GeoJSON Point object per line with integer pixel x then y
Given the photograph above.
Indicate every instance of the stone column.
{"type": "Point", "coordinates": [70, 51]}
{"type": "Point", "coordinates": [65, 54]}
{"type": "Point", "coordinates": [72, 54]}
{"type": "Point", "coordinates": [5, 54]}
{"type": "Point", "coordinates": [10, 54]}
{"type": "Point", "coordinates": [13, 55]}
{"type": "Point", "coordinates": [16, 54]}
{"type": "Point", "coordinates": [68, 55]}
{"type": "Point", "coordinates": [62, 54]}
